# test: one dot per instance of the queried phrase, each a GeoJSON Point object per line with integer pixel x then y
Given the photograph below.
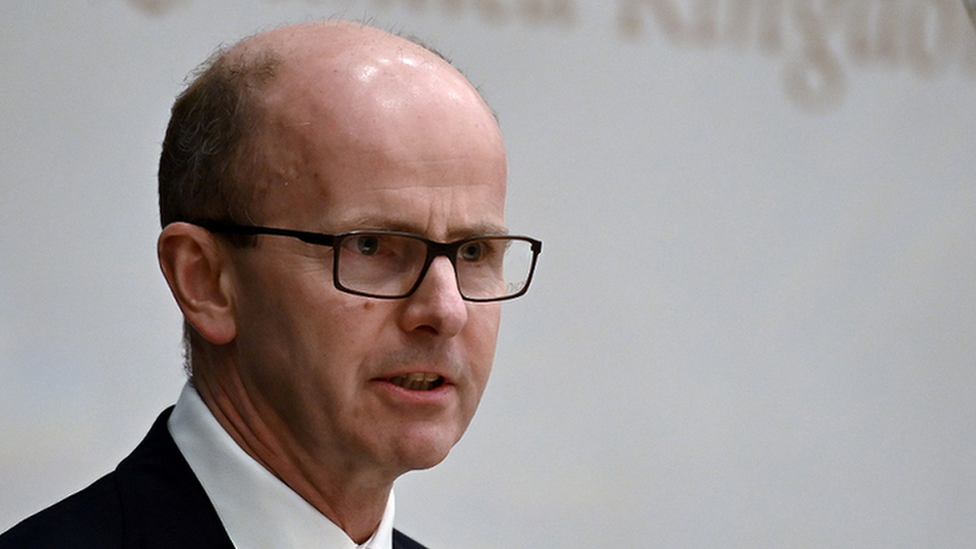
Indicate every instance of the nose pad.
{"type": "Point", "coordinates": [442, 273]}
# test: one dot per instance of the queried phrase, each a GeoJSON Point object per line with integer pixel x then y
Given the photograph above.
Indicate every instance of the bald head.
{"type": "Point", "coordinates": [251, 113]}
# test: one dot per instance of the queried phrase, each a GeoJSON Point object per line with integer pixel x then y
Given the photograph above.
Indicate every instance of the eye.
{"type": "Point", "coordinates": [472, 251]}
{"type": "Point", "coordinates": [367, 244]}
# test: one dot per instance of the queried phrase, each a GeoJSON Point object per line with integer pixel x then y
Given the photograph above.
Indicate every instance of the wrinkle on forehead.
{"type": "Point", "coordinates": [445, 214]}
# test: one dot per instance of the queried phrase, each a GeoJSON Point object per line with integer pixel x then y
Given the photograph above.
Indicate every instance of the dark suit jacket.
{"type": "Point", "coordinates": [151, 501]}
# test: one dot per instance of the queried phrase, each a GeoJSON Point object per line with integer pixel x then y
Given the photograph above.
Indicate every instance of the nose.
{"type": "Point", "coordinates": [436, 307]}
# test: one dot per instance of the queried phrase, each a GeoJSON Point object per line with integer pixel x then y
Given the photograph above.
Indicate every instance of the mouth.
{"type": "Point", "coordinates": [418, 381]}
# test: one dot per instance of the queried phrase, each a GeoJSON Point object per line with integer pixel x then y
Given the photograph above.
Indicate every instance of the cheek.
{"type": "Point", "coordinates": [353, 325]}
{"type": "Point", "coordinates": [302, 328]}
{"type": "Point", "coordinates": [325, 356]}
{"type": "Point", "coordinates": [483, 336]}
{"type": "Point", "coordinates": [487, 319]}
{"type": "Point", "coordinates": [349, 339]}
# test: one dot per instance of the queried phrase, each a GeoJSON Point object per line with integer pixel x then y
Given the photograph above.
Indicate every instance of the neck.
{"type": "Point", "coordinates": [352, 500]}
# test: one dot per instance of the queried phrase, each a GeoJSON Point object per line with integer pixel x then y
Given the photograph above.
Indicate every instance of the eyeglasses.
{"type": "Point", "coordinates": [392, 265]}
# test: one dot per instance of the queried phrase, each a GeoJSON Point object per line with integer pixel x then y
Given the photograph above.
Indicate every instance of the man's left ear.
{"type": "Point", "coordinates": [199, 277]}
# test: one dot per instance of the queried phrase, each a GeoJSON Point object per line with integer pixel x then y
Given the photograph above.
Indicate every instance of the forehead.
{"type": "Point", "coordinates": [378, 129]}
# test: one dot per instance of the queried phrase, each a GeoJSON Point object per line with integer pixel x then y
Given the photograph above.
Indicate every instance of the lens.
{"type": "Point", "coordinates": [379, 264]}
{"type": "Point", "coordinates": [494, 267]}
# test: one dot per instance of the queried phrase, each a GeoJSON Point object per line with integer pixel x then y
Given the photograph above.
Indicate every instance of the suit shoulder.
{"type": "Point", "coordinates": [87, 519]}
{"type": "Point", "coordinates": [402, 541]}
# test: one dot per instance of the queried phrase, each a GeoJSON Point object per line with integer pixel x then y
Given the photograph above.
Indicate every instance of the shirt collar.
{"type": "Point", "coordinates": [257, 510]}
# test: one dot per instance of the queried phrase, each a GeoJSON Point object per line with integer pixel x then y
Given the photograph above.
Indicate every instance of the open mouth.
{"type": "Point", "coordinates": [418, 381]}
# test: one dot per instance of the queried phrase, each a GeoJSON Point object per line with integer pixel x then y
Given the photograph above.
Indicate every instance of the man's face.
{"type": "Point", "coordinates": [416, 151]}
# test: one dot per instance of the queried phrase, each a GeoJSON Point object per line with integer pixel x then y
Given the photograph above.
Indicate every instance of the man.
{"type": "Point", "coordinates": [332, 205]}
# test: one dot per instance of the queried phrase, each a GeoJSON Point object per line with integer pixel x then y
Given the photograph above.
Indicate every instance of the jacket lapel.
{"type": "Point", "coordinates": [164, 504]}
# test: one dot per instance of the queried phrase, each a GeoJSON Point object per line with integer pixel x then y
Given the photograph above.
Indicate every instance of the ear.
{"type": "Point", "coordinates": [198, 274]}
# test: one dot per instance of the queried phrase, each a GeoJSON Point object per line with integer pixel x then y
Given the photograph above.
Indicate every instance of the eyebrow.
{"type": "Point", "coordinates": [380, 224]}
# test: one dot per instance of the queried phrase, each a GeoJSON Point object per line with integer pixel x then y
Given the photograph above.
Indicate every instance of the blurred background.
{"type": "Point", "coordinates": [754, 322]}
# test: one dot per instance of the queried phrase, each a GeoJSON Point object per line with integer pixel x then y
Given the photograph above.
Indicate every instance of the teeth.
{"type": "Point", "coordinates": [417, 381]}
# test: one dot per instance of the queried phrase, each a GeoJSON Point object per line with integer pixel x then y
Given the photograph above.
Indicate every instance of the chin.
{"type": "Point", "coordinates": [422, 464]}
{"type": "Point", "coordinates": [423, 450]}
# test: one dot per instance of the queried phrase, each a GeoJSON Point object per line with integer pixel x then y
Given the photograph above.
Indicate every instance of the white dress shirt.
{"type": "Point", "coordinates": [257, 510]}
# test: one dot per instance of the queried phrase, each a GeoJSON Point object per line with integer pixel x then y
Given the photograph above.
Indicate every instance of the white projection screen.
{"type": "Point", "coordinates": [754, 321]}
